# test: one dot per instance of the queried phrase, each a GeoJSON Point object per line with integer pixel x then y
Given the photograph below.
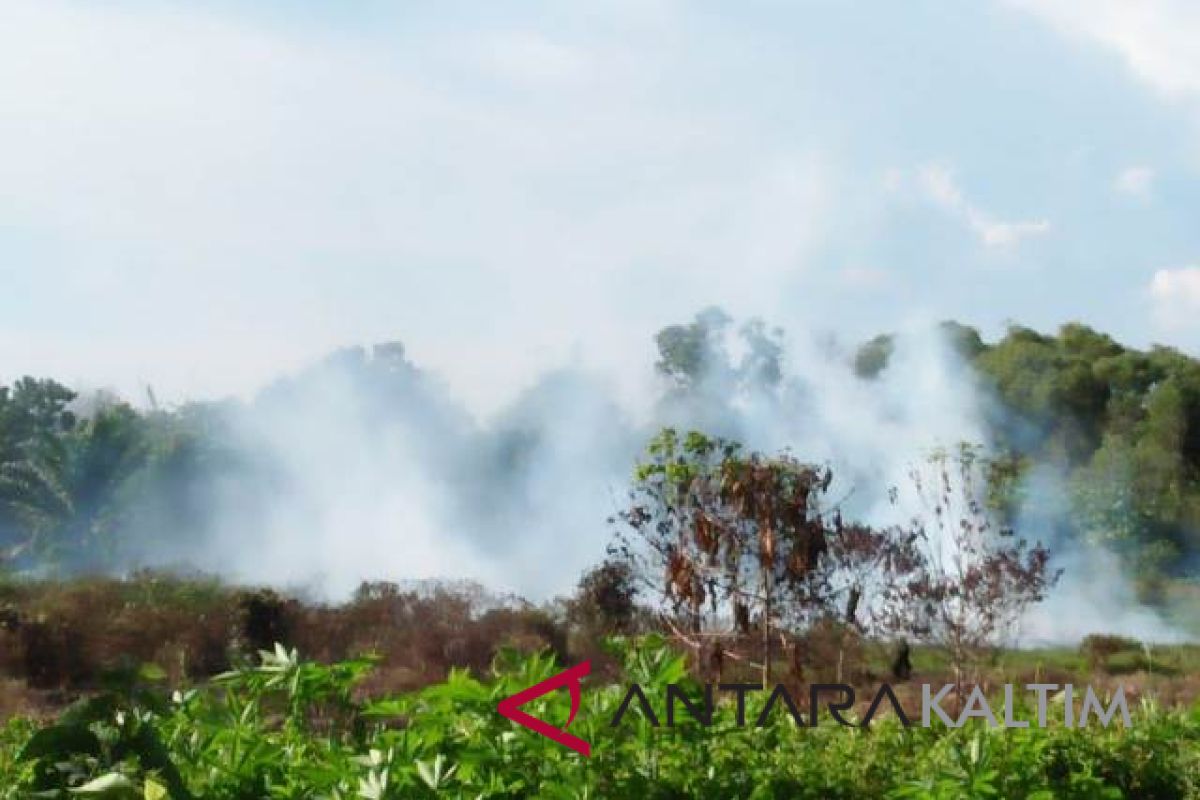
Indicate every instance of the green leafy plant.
{"type": "Point", "coordinates": [290, 728]}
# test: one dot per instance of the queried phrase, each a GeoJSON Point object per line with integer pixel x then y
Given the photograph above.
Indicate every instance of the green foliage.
{"type": "Point", "coordinates": [287, 728]}
{"type": "Point", "coordinates": [873, 356]}
{"type": "Point", "coordinates": [695, 359]}
{"type": "Point", "coordinates": [1125, 425]}
{"type": "Point", "coordinates": [605, 601]}
{"type": "Point", "coordinates": [1122, 427]}
{"type": "Point", "coordinates": [89, 481]}
{"type": "Point", "coordinates": [722, 532]}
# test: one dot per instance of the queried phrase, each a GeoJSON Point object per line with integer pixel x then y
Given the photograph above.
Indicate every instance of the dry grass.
{"type": "Point", "coordinates": [61, 640]}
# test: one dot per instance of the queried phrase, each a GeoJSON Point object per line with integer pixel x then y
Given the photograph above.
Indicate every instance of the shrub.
{"type": "Point", "coordinates": [288, 728]}
{"type": "Point", "coordinates": [1098, 648]}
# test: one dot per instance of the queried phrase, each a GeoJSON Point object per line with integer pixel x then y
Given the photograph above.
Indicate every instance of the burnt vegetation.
{"type": "Point", "coordinates": [746, 558]}
{"type": "Point", "coordinates": [754, 564]}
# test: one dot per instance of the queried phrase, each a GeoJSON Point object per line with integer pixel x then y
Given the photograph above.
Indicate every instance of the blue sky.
{"type": "Point", "coordinates": [198, 198]}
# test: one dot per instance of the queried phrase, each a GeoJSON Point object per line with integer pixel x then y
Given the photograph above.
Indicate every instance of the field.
{"type": "Point", "coordinates": [288, 729]}
{"type": "Point", "coordinates": [625, 400]}
{"type": "Point", "coordinates": [404, 721]}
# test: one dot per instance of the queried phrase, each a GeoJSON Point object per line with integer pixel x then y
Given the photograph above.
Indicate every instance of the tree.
{"type": "Point", "coordinates": [605, 601]}
{"type": "Point", "coordinates": [873, 356]}
{"type": "Point", "coordinates": [738, 542]}
{"type": "Point", "coordinates": [34, 421]}
{"type": "Point", "coordinates": [689, 354]}
{"type": "Point", "coordinates": [61, 476]}
{"type": "Point", "coordinates": [730, 535]}
{"type": "Point", "coordinates": [974, 579]}
{"type": "Point", "coordinates": [695, 357]}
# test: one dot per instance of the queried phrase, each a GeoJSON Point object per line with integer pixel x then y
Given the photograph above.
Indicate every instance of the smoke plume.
{"type": "Point", "coordinates": [364, 467]}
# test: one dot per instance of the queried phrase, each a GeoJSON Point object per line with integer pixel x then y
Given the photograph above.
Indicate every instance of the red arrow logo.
{"type": "Point", "coordinates": [510, 707]}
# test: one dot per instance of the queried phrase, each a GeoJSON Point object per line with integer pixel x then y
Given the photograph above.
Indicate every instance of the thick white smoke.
{"type": "Point", "coordinates": [1094, 595]}
{"type": "Point", "coordinates": [364, 468]}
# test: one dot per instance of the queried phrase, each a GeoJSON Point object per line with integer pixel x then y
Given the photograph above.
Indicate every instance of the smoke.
{"type": "Point", "coordinates": [1094, 594]}
{"type": "Point", "coordinates": [364, 467]}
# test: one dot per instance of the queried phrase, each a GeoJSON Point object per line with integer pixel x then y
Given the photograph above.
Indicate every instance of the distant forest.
{"type": "Point", "coordinates": [1120, 426]}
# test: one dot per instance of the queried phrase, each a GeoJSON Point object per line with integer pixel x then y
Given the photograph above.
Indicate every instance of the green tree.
{"type": "Point", "coordinates": [61, 477]}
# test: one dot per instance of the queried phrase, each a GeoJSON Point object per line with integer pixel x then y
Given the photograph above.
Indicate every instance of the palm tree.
{"type": "Point", "coordinates": [61, 476]}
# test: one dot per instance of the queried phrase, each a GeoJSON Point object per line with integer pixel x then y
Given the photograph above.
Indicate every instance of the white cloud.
{"type": "Point", "coordinates": [1135, 181]}
{"type": "Point", "coordinates": [1156, 38]}
{"type": "Point", "coordinates": [939, 185]}
{"type": "Point", "coordinates": [212, 180]}
{"type": "Point", "coordinates": [863, 277]}
{"type": "Point", "coordinates": [893, 179]}
{"type": "Point", "coordinates": [526, 57]}
{"type": "Point", "coordinates": [1175, 294]}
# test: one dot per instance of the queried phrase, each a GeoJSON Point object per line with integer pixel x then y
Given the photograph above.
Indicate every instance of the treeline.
{"type": "Point", "coordinates": [73, 469]}
{"type": "Point", "coordinates": [89, 482]}
{"type": "Point", "coordinates": [93, 482]}
{"type": "Point", "coordinates": [1119, 427]}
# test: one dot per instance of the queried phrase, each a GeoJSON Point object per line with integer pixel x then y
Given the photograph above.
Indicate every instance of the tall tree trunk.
{"type": "Point", "coordinates": [766, 632]}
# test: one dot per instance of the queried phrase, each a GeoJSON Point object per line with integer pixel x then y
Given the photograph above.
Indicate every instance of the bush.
{"type": "Point", "coordinates": [1098, 648]}
{"type": "Point", "coordinates": [287, 728]}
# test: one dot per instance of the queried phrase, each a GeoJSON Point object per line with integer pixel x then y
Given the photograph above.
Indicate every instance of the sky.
{"type": "Point", "coordinates": [198, 197]}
